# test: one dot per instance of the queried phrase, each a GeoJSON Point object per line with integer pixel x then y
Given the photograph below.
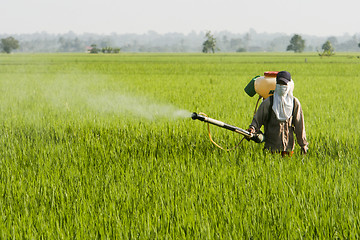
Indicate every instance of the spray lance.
{"type": "Point", "coordinates": [256, 137]}
{"type": "Point", "coordinates": [264, 86]}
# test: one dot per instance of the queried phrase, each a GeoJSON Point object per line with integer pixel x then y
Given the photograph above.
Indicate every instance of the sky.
{"type": "Point", "coordinates": [313, 17]}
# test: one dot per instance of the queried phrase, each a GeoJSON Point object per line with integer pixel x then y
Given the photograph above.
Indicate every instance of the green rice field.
{"type": "Point", "coordinates": [103, 147]}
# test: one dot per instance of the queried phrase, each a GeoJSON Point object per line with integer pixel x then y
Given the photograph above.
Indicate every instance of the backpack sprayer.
{"type": "Point", "coordinates": [264, 86]}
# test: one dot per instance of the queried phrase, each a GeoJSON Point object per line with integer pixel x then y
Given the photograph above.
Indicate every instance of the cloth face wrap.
{"type": "Point", "coordinates": [283, 101]}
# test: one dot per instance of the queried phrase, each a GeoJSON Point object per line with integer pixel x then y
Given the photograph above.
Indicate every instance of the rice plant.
{"type": "Point", "coordinates": [103, 147]}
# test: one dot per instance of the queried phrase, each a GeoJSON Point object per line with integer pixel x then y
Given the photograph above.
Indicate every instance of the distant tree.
{"type": "Point", "coordinates": [94, 49]}
{"type": "Point", "coordinates": [110, 50]}
{"type": "Point", "coordinates": [107, 49]}
{"type": "Point", "coordinates": [297, 44]}
{"type": "Point", "coordinates": [209, 44]}
{"type": "Point", "coordinates": [8, 44]}
{"type": "Point", "coordinates": [241, 49]}
{"type": "Point", "coordinates": [359, 44]}
{"type": "Point", "coordinates": [327, 48]}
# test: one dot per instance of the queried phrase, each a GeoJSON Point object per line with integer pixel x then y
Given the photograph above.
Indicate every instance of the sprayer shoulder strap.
{"type": "Point", "coordinates": [293, 112]}
{"type": "Point", "coordinates": [270, 109]}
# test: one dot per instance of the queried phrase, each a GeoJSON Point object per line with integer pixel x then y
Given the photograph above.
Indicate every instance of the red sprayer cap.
{"type": "Point", "coordinates": [270, 74]}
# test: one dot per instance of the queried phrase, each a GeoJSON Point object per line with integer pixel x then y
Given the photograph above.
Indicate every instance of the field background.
{"type": "Point", "coordinates": [101, 146]}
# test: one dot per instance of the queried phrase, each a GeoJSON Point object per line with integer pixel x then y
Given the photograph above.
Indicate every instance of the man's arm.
{"type": "Point", "coordinates": [299, 124]}
{"type": "Point", "coordinates": [260, 116]}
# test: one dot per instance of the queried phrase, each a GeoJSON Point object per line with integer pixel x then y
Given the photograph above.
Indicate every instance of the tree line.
{"type": "Point", "coordinates": [177, 42]}
{"type": "Point", "coordinates": [297, 44]}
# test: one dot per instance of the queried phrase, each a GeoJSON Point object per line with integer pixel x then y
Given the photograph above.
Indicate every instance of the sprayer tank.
{"type": "Point", "coordinates": [262, 85]}
{"type": "Point", "coordinates": [265, 85]}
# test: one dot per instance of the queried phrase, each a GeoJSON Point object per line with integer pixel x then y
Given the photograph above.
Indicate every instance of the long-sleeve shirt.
{"type": "Point", "coordinates": [279, 135]}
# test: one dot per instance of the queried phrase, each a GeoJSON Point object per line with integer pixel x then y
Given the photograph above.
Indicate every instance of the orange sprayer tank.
{"type": "Point", "coordinates": [263, 85]}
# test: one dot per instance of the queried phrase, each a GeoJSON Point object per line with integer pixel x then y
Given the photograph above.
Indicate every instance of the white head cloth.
{"type": "Point", "coordinates": [283, 101]}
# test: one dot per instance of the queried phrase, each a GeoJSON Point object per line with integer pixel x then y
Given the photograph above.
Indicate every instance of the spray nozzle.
{"type": "Point", "coordinates": [195, 116]}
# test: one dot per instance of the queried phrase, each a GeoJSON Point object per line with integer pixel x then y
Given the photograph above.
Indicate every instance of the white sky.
{"type": "Point", "coordinates": [316, 17]}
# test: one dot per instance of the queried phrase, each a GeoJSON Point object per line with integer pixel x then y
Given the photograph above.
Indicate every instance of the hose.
{"type": "Point", "coordinates": [257, 103]}
{"type": "Point", "coordinates": [225, 149]}
{"type": "Point", "coordinates": [237, 145]}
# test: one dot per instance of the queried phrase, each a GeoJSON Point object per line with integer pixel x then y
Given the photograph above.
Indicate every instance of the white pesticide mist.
{"type": "Point", "coordinates": [78, 94]}
{"type": "Point", "coordinates": [136, 106]}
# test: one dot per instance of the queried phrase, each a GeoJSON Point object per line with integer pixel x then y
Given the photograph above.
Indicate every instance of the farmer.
{"type": "Point", "coordinates": [281, 115]}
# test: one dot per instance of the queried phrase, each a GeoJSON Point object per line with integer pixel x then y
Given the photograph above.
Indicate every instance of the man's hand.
{"type": "Point", "coordinates": [304, 150]}
{"type": "Point", "coordinates": [251, 130]}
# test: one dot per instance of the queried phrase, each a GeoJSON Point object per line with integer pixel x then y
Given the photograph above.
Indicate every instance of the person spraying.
{"type": "Point", "coordinates": [282, 116]}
